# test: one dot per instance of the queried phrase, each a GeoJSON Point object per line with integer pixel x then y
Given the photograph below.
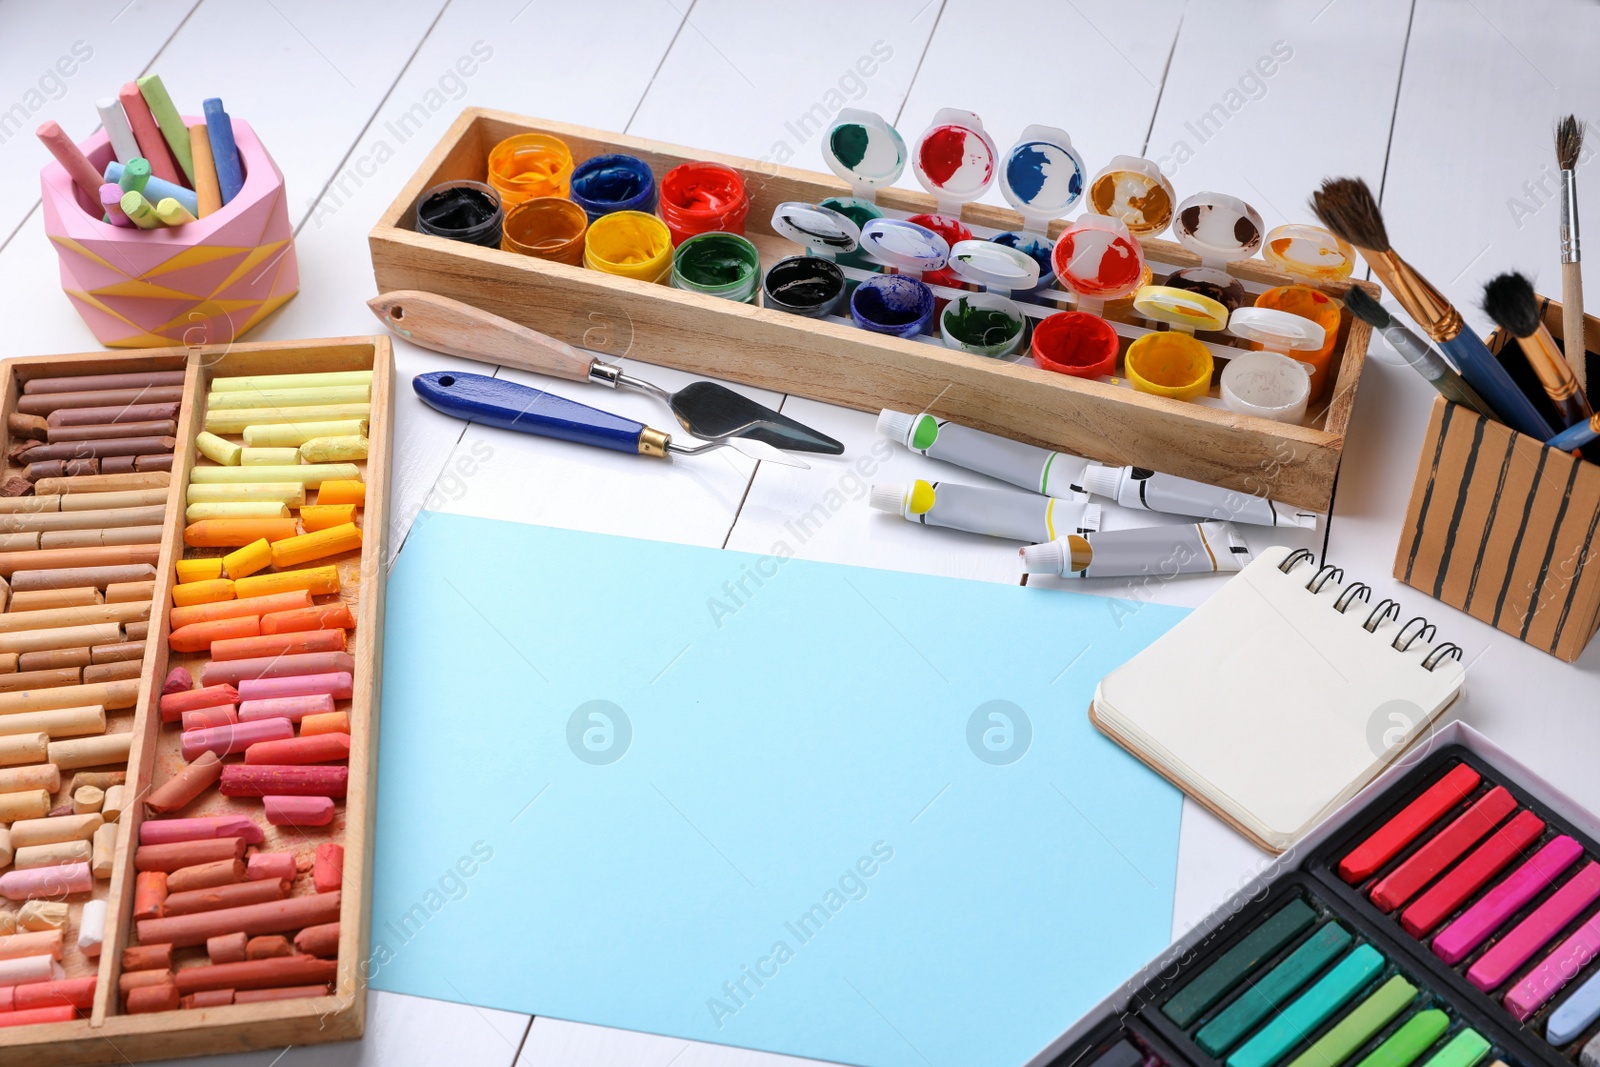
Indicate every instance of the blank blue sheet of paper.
{"type": "Point", "coordinates": [835, 812]}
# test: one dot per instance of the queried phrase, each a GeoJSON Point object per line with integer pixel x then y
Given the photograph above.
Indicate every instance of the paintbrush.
{"type": "Point", "coordinates": [1347, 207]}
{"type": "Point", "coordinates": [1510, 301]}
{"type": "Point", "coordinates": [1415, 351]}
{"type": "Point", "coordinates": [1569, 143]}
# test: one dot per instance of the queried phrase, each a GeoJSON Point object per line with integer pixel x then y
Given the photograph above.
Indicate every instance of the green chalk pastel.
{"type": "Point", "coordinates": [1463, 1050]}
{"type": "Point", "coordinates": [1214, 983]}
{"type": "Point", "coordinates": [166, 115]}
{"type": "Point", "coordinates": [134, 175]}
{"type": "Point", "coordinates": [1401, 1048]}
{"type": "Point", "coordinates": [1355, 1029]}
{"type": "Point", "coordinates": [1310, 1010]}
{"type": "Point", "coordinates": [1277, 986]}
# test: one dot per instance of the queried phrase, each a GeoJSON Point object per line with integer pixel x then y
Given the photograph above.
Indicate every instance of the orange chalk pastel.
{"type": "Point", "coordinates": [279, 644]}
{"type": "Point", "coordinates": [326, 722]}
{"type": "Point", "coordinates": [316, 517]}
{"type": "Point", "coordinates": [298, 751]}
{"type": "Point", "coordinates": [236, 533]}
{"type": "Point", "coordinates": [342, 492]}
{"type": "Point", "coordinates": [198, 636]}
{"type": "Point", "coordinates": [315, 580]}
{"type": "Point", "coordinates": [248, 604]}
{"type": "Point", "coordinates": [293, 551]}
{"type": "Point", "coordinates": [210, 591]}
{"type": "Point", "coordinates": [316, 617]}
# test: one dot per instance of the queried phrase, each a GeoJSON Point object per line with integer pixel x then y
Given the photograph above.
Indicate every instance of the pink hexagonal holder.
{"type": "Point", "coordinates": [207, 282]}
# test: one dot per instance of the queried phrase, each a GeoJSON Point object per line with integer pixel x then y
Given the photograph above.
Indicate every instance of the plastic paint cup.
{"type": "Point", "coordinates": [804, 285]}
{"type": "Point", "coordinates": [529, 165]}
{"type": "Point", "coordinates": [1321, 309]}
{"type": "Point", "coordinates": [893, 304]}
{"type": "Point", "coordinates": [613, 182]}
{"type": "Point", "coordinates": [546, 227]}
{"type": "Point", "coordinates": [982, 324]}
{"type": "Point", "coordinates": [1267, 384]}
{"type": "Point", "coordinates": [725, 265]}
{"type": "Point", "coordinates": [631, 244]}
{"type": "Point", "coordinates": [1169, 364]}
{"type": "Point", "coordinates": [1076, 343]}
{"type": "Point", "coordinates": [702, 198]}
{"type": "Point", "coordinates": [461, 211]}
{"type": "Point", "coordinates": [860, 212]}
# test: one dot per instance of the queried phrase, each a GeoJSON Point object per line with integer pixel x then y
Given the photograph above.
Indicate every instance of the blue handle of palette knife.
{"type": "Point", "coordinates": [509, 406]}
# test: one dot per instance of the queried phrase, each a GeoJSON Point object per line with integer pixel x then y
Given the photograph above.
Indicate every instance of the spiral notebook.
{"type": "Point", "coordinates": [1282, 696]}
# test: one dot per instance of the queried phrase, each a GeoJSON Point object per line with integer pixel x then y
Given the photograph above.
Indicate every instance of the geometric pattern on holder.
{"type": "Point", "coordinates": [206, 282]}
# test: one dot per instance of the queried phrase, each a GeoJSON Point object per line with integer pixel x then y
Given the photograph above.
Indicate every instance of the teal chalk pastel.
{"type": "Point", "coordinates": [1313, 1007]}
{"type": "Point", "coordinates": [1277, 986]}
{"type": "Point", "coordinates": [1463, 1050]}
{"type": "Point", "coordinates": [1416, 1036]}
{"type": "Point", "coordinates": [1220, 978]}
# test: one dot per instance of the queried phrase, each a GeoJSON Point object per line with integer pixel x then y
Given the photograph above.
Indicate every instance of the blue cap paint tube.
{"type": "Point", "coordinates": [993, 512]}
{"type": "Point", "coordinates": [613, 182]}
{"type": "Point", "coordinates": [1042, 176]}
{"type": "Point", "coordinates": [1151, 552]}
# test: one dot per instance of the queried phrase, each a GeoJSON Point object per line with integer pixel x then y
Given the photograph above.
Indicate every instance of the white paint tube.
{"type": "Point", "coordinates": [979, 509]}
{"type": "Point", "coordinates": [1155, 551]}
{"type": "Point", "coordinates": [1137, 487]}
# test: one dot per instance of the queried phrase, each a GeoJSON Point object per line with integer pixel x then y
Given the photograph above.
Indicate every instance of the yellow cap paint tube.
{"type": "Point", "coordinates": [979, 509]}
{"type": "Point", "coordinates": [1147, 490]}
{"type": "Point", "coordinates": [1155, 551]}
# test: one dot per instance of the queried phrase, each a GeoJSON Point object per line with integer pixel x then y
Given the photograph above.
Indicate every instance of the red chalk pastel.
{"type": "Point", "coordinates": [1447, 846]}
{"type": "Point", "coordinates": [205, 718]}
{"type": "Point", "coordinates": [328, 872]}
{"type": "Point", "coordinates": [318, 748]}
{"type": "Point", "coordinates": [173, 705]}
{"type": "Point", "coordinates": [1468, 876]}
{"type": "Point", "coordinates": [275, 780]}
{"type": "Point", "coordinates": [298, 810]}
{"type": "Point", "coordinates": [271, 865]}
{"type": "Point", "coordinates": [1365, 859]}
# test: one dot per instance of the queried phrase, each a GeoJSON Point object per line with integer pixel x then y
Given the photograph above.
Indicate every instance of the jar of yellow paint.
{"type": "Point", "coordinates": [631, 244]}
{"type": "Point", "coordinates": [1169, 363]}
{"type": "Point", "coordinates": [1321, 309]}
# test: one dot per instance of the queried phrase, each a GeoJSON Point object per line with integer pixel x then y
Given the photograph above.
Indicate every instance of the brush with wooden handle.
{"type": "Point", "coordinates": [1569, 144]}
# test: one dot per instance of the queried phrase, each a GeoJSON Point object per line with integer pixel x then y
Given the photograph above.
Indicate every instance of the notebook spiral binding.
{"type": "Point", "coordinates": [1414, 629]}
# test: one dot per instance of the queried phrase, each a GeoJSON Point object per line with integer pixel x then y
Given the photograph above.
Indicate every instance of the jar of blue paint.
{"type": "Point", "coordinates": [894, 304]}
{"type": "Point", "coordinates": [613, 182]}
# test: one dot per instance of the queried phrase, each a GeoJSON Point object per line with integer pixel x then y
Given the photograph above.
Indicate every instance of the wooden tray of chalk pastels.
{"type": "Point", "coordinates": [165, 892]}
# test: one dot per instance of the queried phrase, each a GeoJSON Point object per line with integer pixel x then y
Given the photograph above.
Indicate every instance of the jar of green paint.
{"type": "Point", "coordinates": [718, 264]}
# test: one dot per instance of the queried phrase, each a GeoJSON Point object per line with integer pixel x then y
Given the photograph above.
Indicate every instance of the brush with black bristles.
{"type": "Point", "coordinates": [1569, 145]}
{"type": "Point", "coordinates": [1510, 301]}
{"type": "Point", "coordinates": [1347, 207]}
{"type": "Point", "coordinates": [1415, 351]}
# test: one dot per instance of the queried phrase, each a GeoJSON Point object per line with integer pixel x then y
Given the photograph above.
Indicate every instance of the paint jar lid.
{"type": "Point", "coordinates": [1134, 190]}
{"type": "Point", "coordinates": [1308, 252]}
{"type": "Point", "coordinates": [1218, 227]}
{"type": "Point", "coordinates": [1181, 308]}
{"type": "Point", "coordinates": [904, 245]}
{"type": "Point", "coordinates": [954, 159]}
{"type": "Point", "coordinates": [1096, 257]}
{"type": "Point", "coordinates": [1277, 331]}
{"type": "Point", "coordinates": [820, 229]}
{"type": "Point", "coordinates": [864, 150]}
{"type": "Point", "coordinates": [994, 266]}
{"type": "Point", "coordinates": [1042, 175]}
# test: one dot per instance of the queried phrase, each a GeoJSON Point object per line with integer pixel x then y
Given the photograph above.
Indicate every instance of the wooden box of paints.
{"type": "Point", "coordinates": [828, 358]}
{"type": "Point", "coordinates": [1501, 527]}
{"type": "Point", "coordinates": [1447, 916]}
{"type": "Point", "coordinates": [163, 891]}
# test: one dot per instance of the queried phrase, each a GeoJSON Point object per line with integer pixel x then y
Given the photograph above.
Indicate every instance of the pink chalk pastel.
{"type": "Point", "coordinates": [230, 739]}
{"type": "Point", "coordinates": [292, 708]}
{"type": "Point", "coordinates": [147, 134]}
{"type": "Point", "coordinates": [338, 685]}
{"type": "Point", "coordinates": [1498, 905]}
{"type": "Point", "coordinates": [234, 671]}
{"type": "Point", "coordinates": [205, 718]}
{"type": "Point", "coordinates": [207, 282]}
{"type": "Point", "coordinates": [1496, 966]}
{"type": "Point", "coordinates": [42, 883]}
{"type": "Point", "coordinates": [1558, 968]}
{"type": "Point", "coordinates": [202, 828]}
{"type": "Point", "coordinates": [67, 153]}
{"type": "Point", "coordinates": [298, 811]}
{"type": "Point", "coordinates": [264, 865]}
{"type": "Point", "coordinates": [111, 201]}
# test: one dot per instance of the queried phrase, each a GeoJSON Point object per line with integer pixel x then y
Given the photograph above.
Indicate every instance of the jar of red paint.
{"type": "Point", "coordinates": [1076, 343]}
{"type": "Point", "coordinates": [702, 198]}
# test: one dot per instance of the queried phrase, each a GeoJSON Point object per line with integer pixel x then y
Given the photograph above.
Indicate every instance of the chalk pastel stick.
{"type": "Point", "coordinates": [292, 708]}
{"type": "Point", "coordinates": [1495, 967]}
{"type": "Point", "coordinates": [298, 811]}
{"type": "Point", "coordinates": [1447, 846]}
{"type": "Point", "coordinates": [1383, 845]}
{"type": "Point", "coordinates": [173, 130]}
{"type": "Point", "coordinates": [1575, 1014]}
{"type": "Point", "coordinates": [1557, 969]}
{"type": "Point", "coordinates": [232, 672]}
{"type": "Point", "coordinates": [115, 122]}
{"type": "Point", "coordinates": [224, 152]}
{"type": "Point", "coordinates": [284, 780]}
{"type": "Point", "coordinates": [200, 828]}
{"type": "Point", "coordinates": [1211, 984]}
{"type": "Point", "coordinates": [67, 153]}
{"type": "Point", "coordinates": [172, 213]}
{"type": "Point", "coordinates": [1415, 1036]}
{"type": "Point", "coordinates": [155, 188]}
{"type": "Point", "coordinates": [227, 740]}
{"type": "Point", "coordinates": [1356, 1028]}
{"type": "Point", "coordinates": [140, 211]}
{"type": "Point", "coordinates": [206, 189]}
{"type": "Point", "coordinates": [131, 178]}
{"type": "Point", "coordinates": [152, 146]}
{"type": "Point", "coordinates": [111, 203]}
{"type": "Point", "coordinates": [1310, 1010]}
{"type": "Point", "coordinates": [1470, 875]}
{"type": "Point", "coordinates": [1277, 986]}
{"type": "Point", "coordinates": [1463, 1050]}
{"type": "Point", "coordinates": [1475, 925]}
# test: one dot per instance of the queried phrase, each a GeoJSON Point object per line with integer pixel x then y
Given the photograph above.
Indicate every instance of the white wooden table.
{"type": "Point", "coordinates": [1444, 105]}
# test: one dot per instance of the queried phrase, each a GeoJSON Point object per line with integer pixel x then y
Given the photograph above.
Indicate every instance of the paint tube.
{"type": "Point", "coordinates": [1036, 469]}
{"type": "Point", "coordinates": [1137, 487]}
{"type": "Point", "coordinates": [981, 510]}
{"type": "Point", "coordinates": [1156, 551]}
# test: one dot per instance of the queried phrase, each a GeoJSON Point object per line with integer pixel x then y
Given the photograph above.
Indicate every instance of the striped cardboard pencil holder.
{"type": "Point", "coordinates": [1500, 526]}
{"type": "Point", "coordinates": [206, 282]}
